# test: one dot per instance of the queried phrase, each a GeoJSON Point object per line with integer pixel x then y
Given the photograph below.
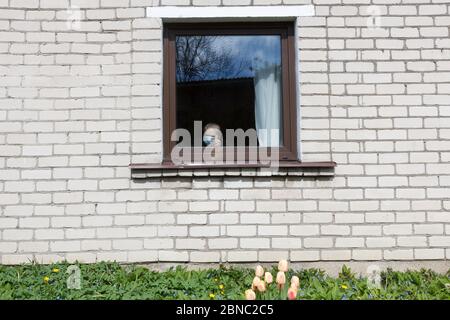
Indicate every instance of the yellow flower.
{"type": "Point", "coordinates": [222, 292]}
{"type": "Point", "coordinates": [46, 279]}
{"type": "Point", "coordinates": [221, 287]}
{"type": "Point", "coordinates": [211, 295]}
{"type": "Point", "coordinates": [343, 286]}
{"type": "Point", "coordinates": [216, 279]}
{"type": "Point", "coordinates": [55, 270]}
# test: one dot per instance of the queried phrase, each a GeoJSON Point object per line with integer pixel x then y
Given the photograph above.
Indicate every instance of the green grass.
{"type": "Point", "coordinates": [112, 281]}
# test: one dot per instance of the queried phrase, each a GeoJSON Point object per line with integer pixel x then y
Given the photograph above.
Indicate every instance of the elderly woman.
{"type": "Point", "coordinates": [212, 136]}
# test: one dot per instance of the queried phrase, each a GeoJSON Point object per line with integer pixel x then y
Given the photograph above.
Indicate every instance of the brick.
{"type": "Point", "coordinates": [366, 230]}
{"type": "Point", "coordinates": [334, 230]}
{"type": "Point", "coordinates": [111, 233]}
{"type": "Point", "coordinates": [439, 241]}
{"type": "Point", "coordinates": [208, 206]}
{"type": "Point", "coordinates": [142, 231]}
{"type": "Point", "coordinates": [111, 256]}
{"type": "Point", "coordinates": [253, 194]}
{"type": "Point", "coordinates": [223, 243]}
{"type": "Point", "coordinates": [33, 247]}
{"type": "Point", "coordinates": [254, 243]}
{"type": "Point", "coordinates": [322, 242]}
{"type": "Point", "coordinates": [428, 229]}
{"type": "Point", "coordinates": [243, 231]}
{"type": "Point", "coordinates": [127, 244]}
{"type": "Point", "coordinates": [54, 4]}
{"type": "Point", "coordinates": [336, 255]}
{"type": "Point", "coordinates": [286, 243]}
{"type": "Point", "coordinates": [158, 243]}
{"type": "Point", "coordinates": [244, 256]}
{"type": "Point", "coordinates": [80, 234]}
{"type": "Point", "coordinates": [170, 231]}
{"type": "Point", "coordinates": [204, 231]}
{"type": "Point", "coordinates": [272, 230]}
{"type": "Point", "coordinates": [239, 206]}
{"type": "Point", "coordinates": [272, 256]}
{"type": "Point", "coordinates": [97, 221]}
{"type": "Point", "coordinates": [96, 245]}
{"type": "Point", "coordinates": [142, 256]}
{"type": "Point", "coordinates": [429, 254]}
{"type": "Point", "coordinates": [412, 241]}
{"type": "Point", "coordinates": [203, 257]}
{"type": "Point", "coordinates": [367, 255]}
{"type": "Point", "coordinates": [165, 255]}
{"type": "Point", "coordinates": [305, 255]}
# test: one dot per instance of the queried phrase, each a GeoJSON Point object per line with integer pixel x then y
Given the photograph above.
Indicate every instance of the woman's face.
{"type": "Point", "coordinates": [212, 136]}
{"type": "Point", "coordinates": [208, 140]}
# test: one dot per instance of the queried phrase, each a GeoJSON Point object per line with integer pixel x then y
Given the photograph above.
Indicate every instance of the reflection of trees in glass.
{"type": "Point", "coordinates": [198, 59]}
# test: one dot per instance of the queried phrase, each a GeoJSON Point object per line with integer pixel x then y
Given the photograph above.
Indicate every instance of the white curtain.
{"type": "Point", "coordinates": [267, 83]}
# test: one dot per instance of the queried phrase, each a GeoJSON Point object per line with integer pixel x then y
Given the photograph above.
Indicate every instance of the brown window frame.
{"type": "Point", "coordinates": [288, 152]}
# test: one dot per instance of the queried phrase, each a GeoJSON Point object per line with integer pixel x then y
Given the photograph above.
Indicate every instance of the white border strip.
{"type": "Point", "coordinates": [172, 12]}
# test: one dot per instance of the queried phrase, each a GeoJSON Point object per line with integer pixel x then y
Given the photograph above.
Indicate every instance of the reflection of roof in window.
{"type": "Point", "coordinates": [214, 80]}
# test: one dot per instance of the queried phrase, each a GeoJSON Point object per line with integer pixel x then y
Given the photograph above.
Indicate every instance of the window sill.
{"type": "Point", "coordinates": [286, 168]}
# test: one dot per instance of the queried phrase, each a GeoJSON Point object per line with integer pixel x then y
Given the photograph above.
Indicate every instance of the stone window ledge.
{"type": "Point", "coordinates": [286, 168]}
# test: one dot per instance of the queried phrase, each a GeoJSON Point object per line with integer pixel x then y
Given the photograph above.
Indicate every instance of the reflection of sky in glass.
{"type": "Point", "coordinates": [243, 54]}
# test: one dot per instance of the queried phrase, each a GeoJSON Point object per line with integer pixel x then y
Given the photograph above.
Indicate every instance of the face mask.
{"type": "Point", "coordinates": [208, 140]}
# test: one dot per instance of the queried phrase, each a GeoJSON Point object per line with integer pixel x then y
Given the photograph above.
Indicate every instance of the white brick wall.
{"type": "Point", "coordinates": [80, 102]}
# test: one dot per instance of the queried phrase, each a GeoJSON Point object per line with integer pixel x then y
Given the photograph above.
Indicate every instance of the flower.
{"type": "Point", "coordinates": [281, 279]}
{"type": "Point", "coordinates": [343, 286]}
{"type": "Point", "coordinates": [46, 279]}
{"type": "Point", "coordinates": [295, 282]}
{"type": "Point", "coordinates": [259, 271]}
{"type": "Point", "coordinates": [261, 286]}
{"type": "Point", "coordinates": [255, 282]}
{"type": "Point", "coordinates": [292, 293]}
{"type": "Point", "coordinates": [215, 279]}
{"type": "Point", "coordinates": [211, 295]}
{"type": "Point", "coordinates": [55, 270]}
{"type": "Point", "coordinates": [250, 295]}
{"type": "Point", "coordinates": [221, 286]}
{"type": "Point", "coordinates": [283, 266]}
{"type": "Point", "coordinates": [268, 277]}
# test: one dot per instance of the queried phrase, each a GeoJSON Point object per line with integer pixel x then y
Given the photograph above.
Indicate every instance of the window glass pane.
{"type": "Point", "coordinates": [230, 82]}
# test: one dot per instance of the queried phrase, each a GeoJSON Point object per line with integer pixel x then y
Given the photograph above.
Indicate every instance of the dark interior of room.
{"type": "Point", "coordinates": [229, 103]}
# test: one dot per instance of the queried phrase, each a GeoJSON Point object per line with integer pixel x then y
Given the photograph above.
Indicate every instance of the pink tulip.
{"type": "Point", "coordinates": [250, 295]}
{"type": "Point", "coordinates": [281, 279]}
{"type": "Point", "coordinates": [283, 266]}
{"type": "Point", "coordinates": [292, 293]}
{"type": "Point", "coordinates": [259, 272]}
{"type": "Point", "coordinates": [268, 277]}
{"type": "Point", "coordinates": [295, 282]}
{"type": "Point", "coordinates": [255, 283]}
{"type": "Point", "coordinates": [261, 286]}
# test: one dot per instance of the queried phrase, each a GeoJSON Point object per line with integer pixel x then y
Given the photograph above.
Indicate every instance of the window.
{"type": "Point", "coordinates": [230, 76]}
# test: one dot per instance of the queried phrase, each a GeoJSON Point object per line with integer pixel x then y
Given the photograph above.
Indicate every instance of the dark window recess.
{"type": "Point", "coordinates": [232, 76]}
{"type": "Point", "coordinates": [226, 102]}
